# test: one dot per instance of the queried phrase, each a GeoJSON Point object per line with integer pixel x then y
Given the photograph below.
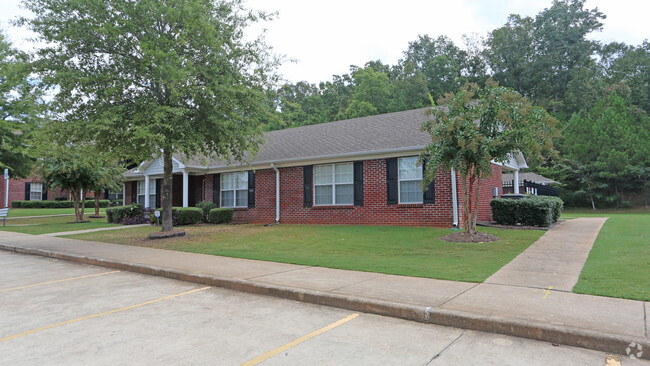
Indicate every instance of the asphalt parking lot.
{"type": "Point", "coordinates": [56, 312]}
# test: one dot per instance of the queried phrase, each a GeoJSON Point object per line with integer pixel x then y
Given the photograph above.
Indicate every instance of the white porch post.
{"type": "Point", "coordinates": [515, 184]}
{"type": "Point", "coordinates": [186, 183]}
{"type": "Point", "coordinates": [146, 192]}
{"type": "Point", "coordinates": [124, 194]}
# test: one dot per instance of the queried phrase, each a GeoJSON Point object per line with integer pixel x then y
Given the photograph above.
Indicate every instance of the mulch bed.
{"type": "Point", "coordinates": [77, 222]}
{"type": "Point", "coordinates": [96, 216]}
{"type": "Point", "coordinates": [463, 237]}
{"type": "Point", "coordinates": [166, 234]}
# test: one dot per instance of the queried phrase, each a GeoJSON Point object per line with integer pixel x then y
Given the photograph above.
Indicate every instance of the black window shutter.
{"type": "Point", "coordinates": [44, 193]}
{"type": "Point", "coordinates": [391, 181]}
{"type": "Point", "coordinates": [215, 188]}
{"type": "Point", "coordinates": [358, 183]}
{"type": "Point", "coordinates": [134, 192]}
{"type": "Point", "coordinates": [158, 193]}
{"type": "Point", "coordinates": [27, 191]}
{"type": "Point", "coordinates": [428, 196]}
{"type": "Point", "coordinates": [251, 189]}
{"type": "Point", "coordinates": [307, 172]}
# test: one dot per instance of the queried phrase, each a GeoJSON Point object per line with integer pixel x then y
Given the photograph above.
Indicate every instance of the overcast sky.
{"type": "Point", "coordinates": [326, 37]}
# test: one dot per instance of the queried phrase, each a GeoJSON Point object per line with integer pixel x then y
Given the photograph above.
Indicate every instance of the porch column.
{"type": "Point", "coordinates": [124, 194]}
{"type": "Point", "coordinates": [515, 184]}
{"type": "Point", "coordinates": [186, 183]}
{"type": "Point", "coordinates": [146, 192]}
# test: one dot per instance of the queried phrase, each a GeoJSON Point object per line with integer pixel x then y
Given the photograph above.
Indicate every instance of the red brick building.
{"type": "Point", "coordinates": [29, 189]}
{"type": "Point", "coordinates": [358, 171]}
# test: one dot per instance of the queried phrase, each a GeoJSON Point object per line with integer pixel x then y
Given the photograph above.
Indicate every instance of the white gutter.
{"type": "Point", "coordinates": [277, 193]}
{"type": "Point", "coordinates": [454, 197]}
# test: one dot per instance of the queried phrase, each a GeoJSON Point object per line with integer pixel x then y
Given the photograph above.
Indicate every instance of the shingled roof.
{"type": "Point", "coordinates": [397, 131]}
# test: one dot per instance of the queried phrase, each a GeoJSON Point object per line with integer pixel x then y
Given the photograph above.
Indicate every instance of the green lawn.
{"type": "Point", "coordinates": [22, 212]}
{"type": "Point", "coordinates": [54, 224]}
{"type": "Point", "coordinates": [394, 250]}
{"type": "Point", "coordinates": [619, 263]}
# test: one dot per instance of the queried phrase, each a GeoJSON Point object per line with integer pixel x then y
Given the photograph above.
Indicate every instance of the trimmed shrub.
{"type": "Point", "coordinates": [220, 215]}
{"type": "Point", "coordinates": [60, 198]}
{"type": "Point", "coordinates": [188, 215]}
{"type": "Point", "coordinates": [56, 204]}
{"type": "Point", "coordinates": [117, 214]}
{"type": "Point", "coordinates": [135, 220]}
{"type": "Point", "coordinates": [206, 206]}
{"type": "Point", "coordinates": [530, 211]}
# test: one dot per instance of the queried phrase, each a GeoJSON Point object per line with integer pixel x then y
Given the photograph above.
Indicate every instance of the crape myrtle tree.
{"type": "Point", "coordinates": [152, 78]}
{"type": "Point", "coordinates": [474, 127]}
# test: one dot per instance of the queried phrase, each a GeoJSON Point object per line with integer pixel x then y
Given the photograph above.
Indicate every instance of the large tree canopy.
{"type": "Point", "coordinates": [19, 103]}
{"type": "Point", "coordinates": [155, 77]}
{"type": "Point", "coordinates": [474, 127]}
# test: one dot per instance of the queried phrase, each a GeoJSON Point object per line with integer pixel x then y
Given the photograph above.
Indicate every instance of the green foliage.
{"type": "Point", "coordinates": [188, 215]}
{"type": "Point", "coordinates": [19, 107]}
{"type": "Point", "coordinates": [474, 127]}
{"type": "Point", "coordinates": [530, 211]}
{"type": "Point", "coordinates": [55, 204]}
{"type": "Point", "coordinates": [220, 215]}
{"type": "Point", "coordinates": [118, 214]}
{"type": "Point", "coordinates": [206, 206]}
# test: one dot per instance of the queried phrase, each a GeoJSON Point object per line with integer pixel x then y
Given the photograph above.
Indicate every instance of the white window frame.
{"type": "Point", "coordinates": [32, 191]}
{"type": "Point", "coordinates": [234, 189]}
{"type": "Point", "coordinates": [400, 180]}
{"type": "Point", "coordinates": [333, 185]}
{"type": "Point", "coordinates": [152, 194]}
{"type": "Point", "coordinates": [140, 188]}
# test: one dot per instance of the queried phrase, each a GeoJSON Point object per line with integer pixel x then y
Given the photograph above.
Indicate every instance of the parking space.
{"type": "Point", "coordinates": [56, 312]}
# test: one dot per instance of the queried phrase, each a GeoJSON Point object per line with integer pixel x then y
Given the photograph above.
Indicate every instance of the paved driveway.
{"type": "Point", "coordinates": [55, 312]}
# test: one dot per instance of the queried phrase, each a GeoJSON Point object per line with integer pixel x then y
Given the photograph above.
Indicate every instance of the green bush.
{"type": "Point", "coordinates": [56, 204]}
{"type": "Point", "coordinates": [60, 198]}
{"type": "Point", "coordinates": [188, 215]}
{"type": "Point", "coordinates": [530, 211]}
{"type": "Point", "coordinates": [220, 215]}
{"type": "Point", "coordinates": [117, 214]}
{"type": "Point", "coordinates": [206, 206]}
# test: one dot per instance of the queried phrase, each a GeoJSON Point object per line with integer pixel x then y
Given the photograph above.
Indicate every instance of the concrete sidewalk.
{"type": "Point", "coordinates": [594, 322]}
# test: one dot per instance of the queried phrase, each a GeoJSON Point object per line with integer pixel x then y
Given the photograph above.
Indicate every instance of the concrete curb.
{"type": "Point", "coordinates": [585, 338]}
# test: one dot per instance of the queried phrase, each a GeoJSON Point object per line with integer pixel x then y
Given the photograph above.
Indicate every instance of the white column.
{"type": "Point", "coordinates": [515, 184]}
{"type": "Point", "coordinates": [124, 194]}
{"type": "Point", "coordinates": [146, 192]}
{"type": "Point", "coordinates": [6, 188]}
{"type": "Point", "coordinates": [186, 183]}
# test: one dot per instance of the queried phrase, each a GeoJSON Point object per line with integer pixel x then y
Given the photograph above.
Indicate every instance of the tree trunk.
{"type": "Point", "coordinates": [97, 193]}
{"type": "Point", "coordinates": [74, 193]}
{"type": "Point", "coordinates": [167, 223]}
{"type": "Point", "coordinates": [593, 205]}
{"type": "Point", "coordinates": [82, 207]}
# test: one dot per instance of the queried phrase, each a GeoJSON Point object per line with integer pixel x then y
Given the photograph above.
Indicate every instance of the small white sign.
{"type": "Point", "coordinates": [156, 213]}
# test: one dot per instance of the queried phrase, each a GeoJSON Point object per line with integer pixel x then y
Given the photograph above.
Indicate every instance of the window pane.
{"type": "Point", "coordinates": [227, 181]}
{"type": "Point", "coordinates": [344, 194]}
{"type": "Point", "coordinates": [35, 196]}
{"type": "Point", "coordinates": [141, 199]}
{"type": "Point", "coordinates": [344, 173]}
{"type": "Point", "coordinates": [322, 174]}
{"type": "Point", "coordinates": [410, 192]}
{"type": "Point", "coordinates": [242, 180]}
{"type": "Point", "coordinates": [152, 185]}
{"type": "Point", "coordinates": [227, 199]}
{"type": "Point", "coordinates": [323, 195]}
{"type": "Point", "coordinates": [408, 169]}
{"type": "Point", "coordinates": [152, 201]}
{"type": "Point", "coordinates": [242, 198]}
{"type": "Point", "coordinates": [36, 187]}
{"type": "Point", "coordinates": [140, 187]}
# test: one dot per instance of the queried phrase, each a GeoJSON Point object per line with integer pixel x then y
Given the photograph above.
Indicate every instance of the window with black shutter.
{"type": "Point", "coordinates": [358, 183]}
{"type": "Point", "coordinates": [307, 185]}
{"type": "Point", "coordinates": [251, 189]}
{"type": "Point", "coordinates": [391, 181]}
{"type": "Point", "coordinates": [215, 189]}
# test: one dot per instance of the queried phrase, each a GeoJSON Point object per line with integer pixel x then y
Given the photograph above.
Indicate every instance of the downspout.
{"type": "Point", "coordinates": [277, 193]}
{"type": "Point", "coordinates": [454, 197]}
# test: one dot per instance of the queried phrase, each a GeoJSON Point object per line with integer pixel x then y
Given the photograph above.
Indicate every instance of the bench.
{"type": "Point", "coordinates": [4, 212]}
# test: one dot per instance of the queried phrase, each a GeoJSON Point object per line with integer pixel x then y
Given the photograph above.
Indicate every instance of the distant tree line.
{"type": "Point", "coordinates": [600, 94]}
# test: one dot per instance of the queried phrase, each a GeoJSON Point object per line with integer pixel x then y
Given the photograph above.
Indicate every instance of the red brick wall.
{"type": "Point", "coordinates": [17, 190]}
{"type": "Point", "coordinates": [374, 211]}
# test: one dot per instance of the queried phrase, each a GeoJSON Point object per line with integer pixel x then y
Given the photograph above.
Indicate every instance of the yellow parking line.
{"type": "Point", "coordinates": [56, 281]}
{"type": "Point", "coordinates": [100, 314]}
{"type": "Point", "coordinates": [292, 344]}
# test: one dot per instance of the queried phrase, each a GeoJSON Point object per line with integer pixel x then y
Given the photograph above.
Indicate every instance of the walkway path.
{"type": "Point", "coordinates": [555, 260]}
{"type": "Point", "coordinates": [600, 323]}
{"type": "Point", "coordinates": [93, 230]}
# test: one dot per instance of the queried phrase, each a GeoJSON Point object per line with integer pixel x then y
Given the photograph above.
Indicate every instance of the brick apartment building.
{"type": "Point", "coordinates": [357, 171]}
